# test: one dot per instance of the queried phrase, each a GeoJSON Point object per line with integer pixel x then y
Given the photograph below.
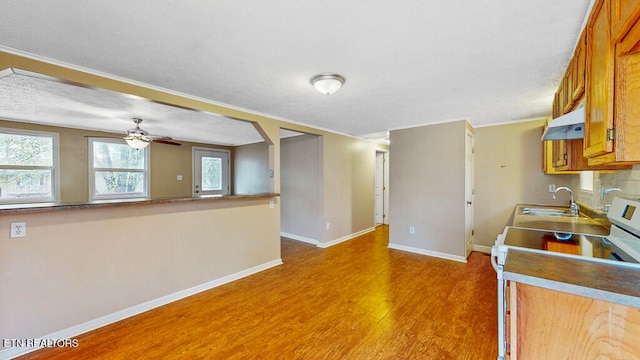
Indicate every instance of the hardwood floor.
{"type": "Point", "coordinates": [356, 300]}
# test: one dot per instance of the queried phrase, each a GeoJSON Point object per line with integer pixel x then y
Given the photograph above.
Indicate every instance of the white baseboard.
{"type": "Point", "coordinates": [482, 248]}
{"type": "Point", "coordinates": [299, 238]}
{"type": "Point", "coordinates": [69, 333]}
{"type": "Point", "coordinates": [327, 244]}
{"type": "Point", "coordinates": [345, 238]}
{"type": "Point", "coordinates": [428, 252]}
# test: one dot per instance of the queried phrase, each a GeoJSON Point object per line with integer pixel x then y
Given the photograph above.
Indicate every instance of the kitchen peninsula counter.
{"type": "Point", "coordinates": [51, 206]}
{"type": "Point", "coordinates": [618, 283]}
{"type": "Point", "coordinates": [559, 304]}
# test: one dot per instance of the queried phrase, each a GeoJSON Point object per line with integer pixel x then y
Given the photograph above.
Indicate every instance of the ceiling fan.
{"type": "Point", "coordinates": [139, 139]}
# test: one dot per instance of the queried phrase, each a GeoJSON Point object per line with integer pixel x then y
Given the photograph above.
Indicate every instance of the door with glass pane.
{"type": "Point", "coordinates": [210, 172]}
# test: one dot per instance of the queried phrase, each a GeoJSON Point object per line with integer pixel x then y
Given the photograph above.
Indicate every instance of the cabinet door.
{"type": "Point", "coordinates": [556, 106]}
{"type": "Point", "coordinates": [579, 65]}
{"type": "Point", "coordinates": [551, 324]}
{"type": "Point", "coordinates": [623, 15]}
{"type": "Point", "coordinates": [568, 89]}
{"type": "Point", "coordinates": [560, 156]}
{"type": "Point", "coordinates": [599, 86]}
{"type": "Point", "coordinates": [627, 97]}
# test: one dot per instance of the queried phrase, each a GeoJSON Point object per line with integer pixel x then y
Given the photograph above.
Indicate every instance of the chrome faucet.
{"type": "Point", "coordinates": [574, 209]}
{"type": "Point", "coordinates": [603, 193]}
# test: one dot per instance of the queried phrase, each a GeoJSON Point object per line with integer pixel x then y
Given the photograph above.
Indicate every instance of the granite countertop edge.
{"type": "Point", "coordinates": [51, 206]}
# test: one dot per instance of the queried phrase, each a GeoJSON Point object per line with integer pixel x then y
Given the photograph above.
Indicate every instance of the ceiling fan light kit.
{"type": "Point", "coordinates": [327, 83]}
{"type": "Point", "coordinates": [136, 142]}
{"type": "Point", "coordinates": [137, 138]}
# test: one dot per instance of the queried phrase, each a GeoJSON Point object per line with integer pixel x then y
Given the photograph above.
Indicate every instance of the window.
{"type": "Point", "coordinates": [28, 162]}
{"type": "Point", "coordinates": [117, 170]}
{"type": "Point", "coordinates": [586, 180]}
{"type": "Point", "coordinates": [210, 172]}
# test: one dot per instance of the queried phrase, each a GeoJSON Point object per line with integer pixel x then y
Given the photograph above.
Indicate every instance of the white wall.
{"type": "Point", "coordinates": [348, 186]}
{"type": "Point", "coordinates": [251, 169]}
{"type": "Point", "coordinates": [508, 170]}
{"type": "Point", "coordinates": [78, 265]}
{"type": "Point", "coordinates": [300, 187]}
{"type": "Point", "coordinates": [427, 182]}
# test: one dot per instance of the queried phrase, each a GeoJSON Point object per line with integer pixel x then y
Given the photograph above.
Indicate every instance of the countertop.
{"type": "Point", "coordinates": [49, 207]}
{"type": "Point", "coordinates": [617, 282]}
{"type": "Point", "coordinates": [613, 282]}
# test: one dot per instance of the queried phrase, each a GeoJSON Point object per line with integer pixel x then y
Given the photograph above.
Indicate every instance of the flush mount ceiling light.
{"type": "Point", "coordinates": [327, 83]}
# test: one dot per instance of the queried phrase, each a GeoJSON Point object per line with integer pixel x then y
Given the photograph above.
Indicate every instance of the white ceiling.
{"type": "Point", "coordinates": [406, 63]}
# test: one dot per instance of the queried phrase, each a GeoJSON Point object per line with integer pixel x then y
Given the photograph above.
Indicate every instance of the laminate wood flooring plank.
{"type": "Point", "coordinates": [355, 300]}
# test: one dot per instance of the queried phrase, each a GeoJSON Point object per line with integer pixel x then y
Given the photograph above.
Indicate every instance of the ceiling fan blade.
{"type": "Point", "coordinates": [167, 141]}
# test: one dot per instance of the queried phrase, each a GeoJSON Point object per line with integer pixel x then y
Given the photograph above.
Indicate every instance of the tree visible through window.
{"type": "Point", "coordinates": [26, 166]}
{"type": "Point", "coordinates": [118, 170]}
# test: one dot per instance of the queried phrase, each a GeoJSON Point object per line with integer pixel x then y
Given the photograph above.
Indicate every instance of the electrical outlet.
{"type": "Point", "coordinates": [328, 226]}
{"type": "Point", "coordinates": [271, 204]}
{"type": "Point", "coordinates": [552, 187]}
{"type": "Point", "coordinates": [412, 230]}
{"type": "Point", "coordinates": [179, 177]}
{"type": "Point", "coordinates": [18, 229]}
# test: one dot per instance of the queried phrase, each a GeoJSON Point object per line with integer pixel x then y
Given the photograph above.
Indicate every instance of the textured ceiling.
{"type": "Point", "coordinates": [31, 97]}
{"type": "Point", "coordinates": [406, 63]}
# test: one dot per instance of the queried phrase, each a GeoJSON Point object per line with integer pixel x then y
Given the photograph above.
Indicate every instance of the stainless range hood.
{"type": "Point", "coordinates": [566, 127]}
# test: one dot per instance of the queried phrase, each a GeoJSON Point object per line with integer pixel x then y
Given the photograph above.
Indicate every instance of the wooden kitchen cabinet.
{"type": "Point", "coordinates": [565, 157]}
{"type": "Point", "coordinates": [613, 83]}
{"type": "Point", "coordinates": [579, 65]}
{"type": "Point", "coordinates": [550, 164]}
{"type": "Point", "coordinates": [571, 89]}
{"type": "Point", "coordinates": [623, 14]}
{"type": "Point", "coordinates": [549, 324]}
{"type": "Point", "coordinates": [626, 121]}
{"type": "Point", "coordinates": [599, 85]}
{"type": "Point", "coordinates": [604, 74]}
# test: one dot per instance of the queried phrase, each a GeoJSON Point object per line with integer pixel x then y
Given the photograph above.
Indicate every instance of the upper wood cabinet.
{"type": "Point", "coordinates": [627, 97]}
{"type": "Point", "coordinates": [571, 89]}
{"type": "Point", "coordinates": [604, 73]}
{"type": "Point", "coordinates": [623, 14]}
{"type": "Point", "coordinates": [599, 86]}
{"type": "Point", "coordinates": [578, 69]}
{"type": "Point", "coordinates": [613, 83]}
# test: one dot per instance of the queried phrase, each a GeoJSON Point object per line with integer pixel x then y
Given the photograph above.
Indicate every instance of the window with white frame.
{"type": "Point", "coordinates": [28, 162]}
{"type": "Point", "coordinates": [586, 180]}
{"type": "Point", "coordinates": [117, 170]}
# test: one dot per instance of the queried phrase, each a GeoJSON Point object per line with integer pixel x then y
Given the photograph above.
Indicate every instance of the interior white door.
{"type": "Point", "coordinates": [379, 188]}
{"type": "Point", "coordinates": [385, 188]}
{"type": "Point", "coordinates": [210, 172]}
{"type": "Point", "coordinates": [469, 178]}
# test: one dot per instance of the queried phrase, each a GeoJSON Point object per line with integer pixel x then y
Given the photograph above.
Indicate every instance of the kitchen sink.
{"type": "Point", "coordinates": [545, 212]}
